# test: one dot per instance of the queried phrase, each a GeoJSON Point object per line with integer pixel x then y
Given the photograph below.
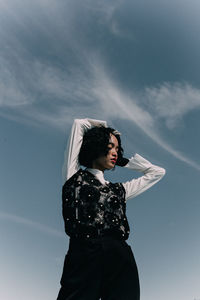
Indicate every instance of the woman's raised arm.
{"type": "Point", "coordinates": [75, 139]}
{"type": "Point", "coordinates": [152, 174]}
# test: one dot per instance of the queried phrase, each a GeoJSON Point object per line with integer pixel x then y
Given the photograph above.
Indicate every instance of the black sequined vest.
{"type": "Point", "coordinates": [91, 209]}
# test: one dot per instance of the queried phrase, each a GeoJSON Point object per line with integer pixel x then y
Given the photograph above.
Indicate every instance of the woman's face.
{"type": "Point", "coordinates": [108, 161]}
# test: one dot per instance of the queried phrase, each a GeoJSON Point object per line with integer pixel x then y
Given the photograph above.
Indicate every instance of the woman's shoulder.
{"type": "Point", "coordinates": [79, 176]}
{"type": "Point", "coordinates": [74, 177]}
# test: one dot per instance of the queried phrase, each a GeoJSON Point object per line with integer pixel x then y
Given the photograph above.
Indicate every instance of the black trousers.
{"type": "Point", "coordinates": [103, 268]}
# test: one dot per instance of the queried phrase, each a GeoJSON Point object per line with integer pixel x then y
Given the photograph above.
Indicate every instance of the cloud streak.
{"type": "Point", "coordinates": [171, 101]}
{"type": "Point", "coordinates": [34, 225]}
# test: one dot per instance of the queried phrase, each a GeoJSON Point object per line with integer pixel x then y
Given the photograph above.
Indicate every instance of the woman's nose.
{"type": "Point", "coordinates": [114, 153]}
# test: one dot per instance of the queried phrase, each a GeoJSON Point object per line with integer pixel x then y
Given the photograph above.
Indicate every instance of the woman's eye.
{"type": "Point", "coordinates": [117, 150]}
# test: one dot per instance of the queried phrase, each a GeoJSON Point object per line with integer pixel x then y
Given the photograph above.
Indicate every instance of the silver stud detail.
{"type": "Point", "coordinates": [87, 235]}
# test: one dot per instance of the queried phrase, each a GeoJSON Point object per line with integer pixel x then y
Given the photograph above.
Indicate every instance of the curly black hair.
{"type": "Point", "coordinates": [95, 144]}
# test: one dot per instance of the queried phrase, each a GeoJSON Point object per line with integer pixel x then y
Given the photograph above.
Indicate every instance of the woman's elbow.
{"type": "Point", "coordinates": [161, 171]}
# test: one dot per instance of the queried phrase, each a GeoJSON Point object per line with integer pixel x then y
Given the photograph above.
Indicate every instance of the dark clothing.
{"type": "Point", "coordinates": [99, 262]}
{"type": "Point", "coordinates": [92, 209]}
{"type": "Point", "coordinates": [102, 268]}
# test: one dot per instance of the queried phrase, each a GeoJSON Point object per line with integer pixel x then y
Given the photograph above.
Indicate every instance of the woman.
{"type": "Point", "coordinates": [99, 262]}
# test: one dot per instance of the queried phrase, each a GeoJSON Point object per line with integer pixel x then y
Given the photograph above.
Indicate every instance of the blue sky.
{"type": "Point", "coordinates": [134, 64]}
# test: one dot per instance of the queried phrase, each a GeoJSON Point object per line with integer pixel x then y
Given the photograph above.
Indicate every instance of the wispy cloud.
{"type": "Point", "coordinates": [171, 101]}
{"type": "Point", "coordinates": [105, 9]}
{"type": "Point", "coordinates": [107, 16]}
{"type": "Point", "coordinates": [34, 225]}
{"type": "Point", "coordinates": [117, 29]}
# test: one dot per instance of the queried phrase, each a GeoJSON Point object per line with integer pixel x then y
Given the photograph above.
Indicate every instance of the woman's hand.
{"type": "Point", "coordinates": [121, 161]}
{"type": "Point", "coordinates": [97, 123]}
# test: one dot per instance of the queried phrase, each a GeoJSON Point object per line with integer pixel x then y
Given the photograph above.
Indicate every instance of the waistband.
{"type": "Point", "coordinates": [96, 238]}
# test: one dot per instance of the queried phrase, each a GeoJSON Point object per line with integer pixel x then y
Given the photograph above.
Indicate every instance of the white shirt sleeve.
{"type": "Point", "coordinates": [152, 174]}
{"type": "Point", "coordinates": [75, 139]}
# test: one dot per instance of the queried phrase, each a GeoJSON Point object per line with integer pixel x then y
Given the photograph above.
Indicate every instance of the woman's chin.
{"type": "Point", "coordinates": [111, 166]}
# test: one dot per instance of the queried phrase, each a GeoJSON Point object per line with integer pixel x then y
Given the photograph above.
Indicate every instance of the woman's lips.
{"type": "Point", "coordinates": [113, 160]}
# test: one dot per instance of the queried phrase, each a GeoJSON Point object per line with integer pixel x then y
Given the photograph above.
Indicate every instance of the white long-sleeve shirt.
{"type": "Point", "coordinates": [134, 187]}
